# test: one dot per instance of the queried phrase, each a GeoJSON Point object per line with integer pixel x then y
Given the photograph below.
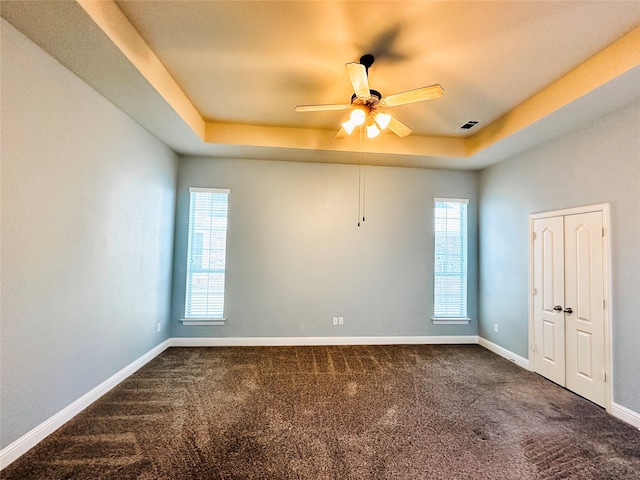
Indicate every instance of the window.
{"type": "Point", "coordinates": [450, 261]}
{"type": "Point", "coordinates": [206, 256]}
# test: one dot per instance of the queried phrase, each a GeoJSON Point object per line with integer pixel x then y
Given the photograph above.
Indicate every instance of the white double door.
{"type": "Point", "coordinates": [568, 303]}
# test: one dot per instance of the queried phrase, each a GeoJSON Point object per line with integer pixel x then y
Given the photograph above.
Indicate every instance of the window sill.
{"type": "Point", "coordinates": [203, 321]}
{"type": "Point", "coordinates": [450, 321]}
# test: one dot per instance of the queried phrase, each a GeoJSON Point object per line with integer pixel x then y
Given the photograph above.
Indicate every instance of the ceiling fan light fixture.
{"type": "Point", "coordinates": [365, 103]}
{"type": "Point", "coordinates": [372, 131]}
{"type": "Point", "coordinates": [357, 116]}
{"type": "Point", "coordinates": [382, 120]}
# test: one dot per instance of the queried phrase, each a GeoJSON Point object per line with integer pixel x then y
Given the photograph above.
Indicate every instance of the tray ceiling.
{"type": "Point", "coordinates": [222, 77]}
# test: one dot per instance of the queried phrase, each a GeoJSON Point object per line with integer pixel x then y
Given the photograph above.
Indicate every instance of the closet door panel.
{"type": "Point", "coordinates": [584, 305]}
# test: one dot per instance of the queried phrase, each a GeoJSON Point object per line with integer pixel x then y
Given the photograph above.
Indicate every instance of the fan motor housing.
{"type": "Point", "coordinates": [371, 102]}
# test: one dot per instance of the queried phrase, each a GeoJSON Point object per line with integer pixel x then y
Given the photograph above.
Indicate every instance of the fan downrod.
{"type": "Point", "coordinates": [367, 60]}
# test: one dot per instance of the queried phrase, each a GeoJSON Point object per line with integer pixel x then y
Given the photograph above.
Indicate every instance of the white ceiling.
{"type": "Point", "coordinates": [241, 66]}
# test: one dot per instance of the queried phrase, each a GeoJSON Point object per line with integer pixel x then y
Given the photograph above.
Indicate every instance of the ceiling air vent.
{"type": "Point", "coordinates": [469, 125]}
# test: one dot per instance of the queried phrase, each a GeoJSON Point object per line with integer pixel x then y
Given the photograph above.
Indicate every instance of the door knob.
{"type": "Point", "coordinates": [558, 308]}
{"type": "Point", "coordinates": [568, 310]}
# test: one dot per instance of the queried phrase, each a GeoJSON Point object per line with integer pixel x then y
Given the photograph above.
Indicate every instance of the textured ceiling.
{"type": "Point", "coordinates": [242, 66]}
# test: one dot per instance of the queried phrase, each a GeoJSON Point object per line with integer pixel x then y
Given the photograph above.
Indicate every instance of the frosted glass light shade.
{"type": "Point", "coordinates": [372, 131]}
{"type": "Point", "coordinates": [357, 116]}
{"type": "Point", "coordinates": [383, 119]}
{"type": "Point", "coordinates": [348, 126]}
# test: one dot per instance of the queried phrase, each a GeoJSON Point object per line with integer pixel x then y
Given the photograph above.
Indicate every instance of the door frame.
{"type": "Point", "coordinates": [600, 207]}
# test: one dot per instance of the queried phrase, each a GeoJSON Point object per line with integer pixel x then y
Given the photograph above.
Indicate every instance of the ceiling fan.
{"type": "Point", "coordinates": [368, 106]}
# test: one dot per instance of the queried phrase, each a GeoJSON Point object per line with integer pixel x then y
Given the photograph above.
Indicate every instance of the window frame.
{"type": "Point", "coordinates": [189, 318]}
{"type": "Point", "coordinates": [462, 319]}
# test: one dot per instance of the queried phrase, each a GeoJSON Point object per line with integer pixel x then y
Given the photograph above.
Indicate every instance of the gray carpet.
{"type": "Point", "coordinates": [358, 412]}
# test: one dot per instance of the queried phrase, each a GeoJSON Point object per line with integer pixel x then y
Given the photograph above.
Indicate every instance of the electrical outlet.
{"type": "Point", "coordinates": [335, 320]}
{"type": "Point", "coordinates": [158, 326]}
{"type": "Point", "coordinates": [340, 320]}
{"type": "Point", "coordinates": [495, 327]}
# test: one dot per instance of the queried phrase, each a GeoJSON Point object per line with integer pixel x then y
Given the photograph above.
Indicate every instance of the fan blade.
{"type": "Point", "coordinates": [398, 127]}
{"type": "Point", "coordinates": [320, 108]}
{"type": "Point", "coordinates": [411, 96]}
{"type": "Point", "coordinates": [341, 134]}
{"type": "Point", "coordinates": [358, 76]}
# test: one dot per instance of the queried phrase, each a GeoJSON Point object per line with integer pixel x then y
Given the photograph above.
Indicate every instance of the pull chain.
{"type": "Point", "coordinates": [364, 190]}
{"type": "Point", "coordinates": [362, 179]}
{"type": "Point", "coordinates": [359, 190]}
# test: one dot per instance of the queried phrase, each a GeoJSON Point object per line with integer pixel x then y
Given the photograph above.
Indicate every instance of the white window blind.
{"type": "Point", "coordinates": [450, 263]}
{"type": "Point", "coordinates": [206, 253]}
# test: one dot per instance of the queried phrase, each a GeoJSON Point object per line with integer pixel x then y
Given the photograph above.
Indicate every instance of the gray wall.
{"type": "Point", "coordinates": [87, 220]}
{"type": "Point", "coordinates": [295, 256]}
{"type": "Point", "coordinates": [598, 164]}
{"type": "Point", "coordinates": [87, 224]}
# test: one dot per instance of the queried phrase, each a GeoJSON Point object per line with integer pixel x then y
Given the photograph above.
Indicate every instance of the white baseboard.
{"type": "Point", "coordinates": [625, 414]}
{"type": "Point", "coordinates": [316, 341]}
{"type": "Point", "coordinates": [20, 446]}
{"type": "Point", "coordinates": [503, 352]}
